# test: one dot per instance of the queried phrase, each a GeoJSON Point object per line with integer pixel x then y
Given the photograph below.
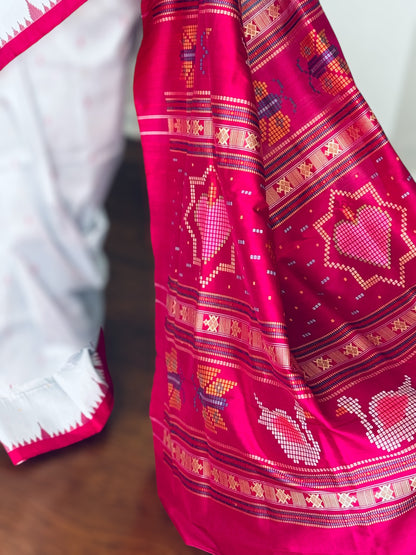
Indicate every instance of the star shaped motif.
{"type": "Point", "coordinates": [206, 220]}
{"type": "Point", "coordinates": [341, 209]}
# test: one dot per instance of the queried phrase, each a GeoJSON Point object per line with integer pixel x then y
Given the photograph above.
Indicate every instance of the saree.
{"type": "Point", "coordinates": [282, 221]}
{"type": "Point", "coordinates": [58, 156]}
{"type": "Point", "coordinates": [283, 405]}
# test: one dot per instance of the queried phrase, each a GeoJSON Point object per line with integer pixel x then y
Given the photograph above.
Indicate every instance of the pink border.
{"type": "Point", "coordinates": [37, 30]}
{"type": "Point", "coordinates": [89, 428]}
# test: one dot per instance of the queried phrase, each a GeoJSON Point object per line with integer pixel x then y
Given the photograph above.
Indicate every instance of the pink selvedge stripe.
{"type": "Point", "coordinates": [88, 428]}
{"type": "Point", "coordinates": [36, 30]}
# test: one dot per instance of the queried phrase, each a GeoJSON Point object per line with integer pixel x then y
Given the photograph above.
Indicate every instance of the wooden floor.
{"type": "Point", "coordinates": [99, 497]}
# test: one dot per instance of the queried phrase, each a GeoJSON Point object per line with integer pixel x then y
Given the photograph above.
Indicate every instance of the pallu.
{"type": "Point", "coordinates": [283, 226]}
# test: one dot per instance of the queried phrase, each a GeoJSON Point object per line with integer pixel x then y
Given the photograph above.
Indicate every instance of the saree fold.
{"type": "Point", "coordinates": [284, 400]}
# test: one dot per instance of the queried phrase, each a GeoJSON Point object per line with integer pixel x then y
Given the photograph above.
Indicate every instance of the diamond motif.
{"type": "Point", "coordinates": [315, 500]}
{"type": "Point", "coordinates": [347, 501]}
{"type": "Point", "coordinates": [386, 493]}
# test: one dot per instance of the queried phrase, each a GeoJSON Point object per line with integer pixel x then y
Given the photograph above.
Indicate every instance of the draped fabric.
{"type": "Point", "coordinates": [58, 155]}
{"type": "Point", "coordinates": [284, 400]}
{"type": "Point", "coordinates": [282, 223]}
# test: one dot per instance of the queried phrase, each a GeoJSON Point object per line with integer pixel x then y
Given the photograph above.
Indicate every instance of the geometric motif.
{"type": "Point", "coordinates": [324, 158]}
{"type": "Point", "coordinates": [21, 15]}
{"type": "Point", "coordinates": [174, 380]}
{"type": "Point", "coordinates": [274, 125]}
{"type": "Point", "coordinates": [347, 500]}
{"type": "Point", "coordinates": [298, 445]}
{"type": "Point", "coordinates": [253, 459]}
{"type": "Point", "coordinates": [211, 214]}
{"type": "Point", "coordinates": [365, 235]}
{"type": "Point", "coordinates": [393, 414]}
{"type": "Point", "coordinates": [188, 53]}
{"type": "Point", "coordinates": [358, 227]}
{"type": "Point", "coordinates": [211, 393]}
{"type": "Point", "coordinates": [228, 330]}
{"type": "Point", "coordinates": [387, 330]}
{"type": "Point", "coordinates": [325, 65]}
{"type": "Point", "coordinates": [262, 19]}
{"type": "Point", "coordinates": [206, 220]}
{"type": "Point", "coordinates": [226, 136]}
{"type": "Point", "coordinates": [325, 503]}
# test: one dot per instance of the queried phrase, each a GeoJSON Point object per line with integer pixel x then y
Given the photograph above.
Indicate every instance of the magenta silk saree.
{"type": "Point", "coordinates": [284, 400]}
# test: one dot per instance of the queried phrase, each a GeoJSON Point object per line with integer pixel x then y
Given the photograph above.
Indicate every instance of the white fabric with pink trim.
{"type": "Point", "coordinates": [61, 104]}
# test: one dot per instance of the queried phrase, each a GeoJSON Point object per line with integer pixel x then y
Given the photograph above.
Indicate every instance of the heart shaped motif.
{"type": "Point", "coordinates": [367, 238]}
{"type": "Point", "coordinates": [391, 409]}
{"type": "Point", "coordinates": [213, 224]}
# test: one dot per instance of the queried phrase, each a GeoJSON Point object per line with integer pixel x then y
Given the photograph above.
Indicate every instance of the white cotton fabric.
{"type": "Point", "coordinates": [61, 105]}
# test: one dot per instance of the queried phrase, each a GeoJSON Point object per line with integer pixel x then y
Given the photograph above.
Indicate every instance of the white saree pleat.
{"type": "Point", "coordinates": [61, 106]}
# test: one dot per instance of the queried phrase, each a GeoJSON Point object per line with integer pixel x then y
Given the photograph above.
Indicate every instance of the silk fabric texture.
{"type": "Point", "coordinates": [283, 404]}
{"type": "Point", "coordinates": [283, 408]}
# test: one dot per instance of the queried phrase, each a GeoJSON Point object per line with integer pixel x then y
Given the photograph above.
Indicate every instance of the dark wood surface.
{"type": "Point", "coordinates": [99, 497]}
